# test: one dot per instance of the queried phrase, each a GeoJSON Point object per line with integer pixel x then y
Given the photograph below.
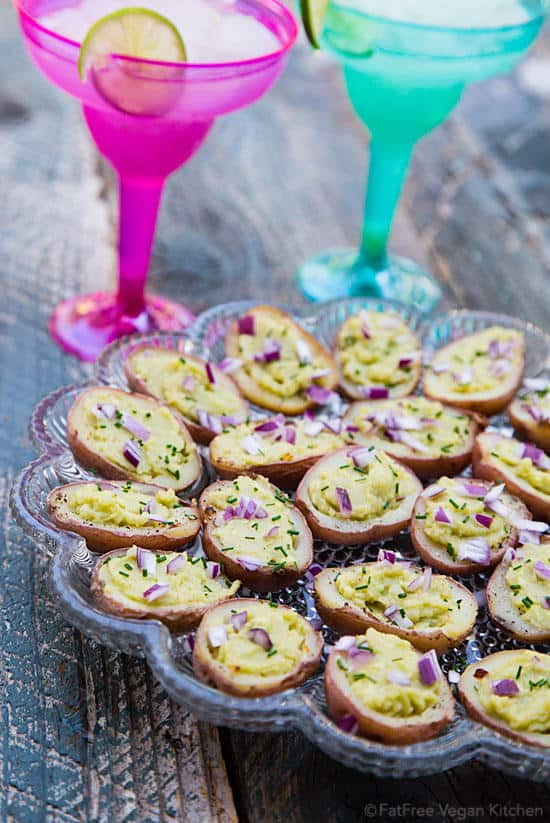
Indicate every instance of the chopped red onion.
{"type": "Point", "coordinates": [348, 724]}
{"type": "Point", "coordinates": [105, 410]}
{"type": "Point", "coordinates": [212, 569]}
{"type": "Point", "coordinates": [474, 489]}
{"type": "Point", "coordinates": [509, 556]}
{"type": "Point", "coordinates": [210, 373]}
{"type": "Point", "coordinates": [506, 687]}
{"type": "Point", "coordinates": [344, 643]}
{"type": "Point", "coordinates": [251, 564]}
{"type": "Point", "coordinates": [537, 456]}
{"type": "Point", "coordinates": [317, 375]}
{"type": "Point", "coordinates": [217, 636]}
{"type": "Point", "coordinates": [432, 491]}
{"type": "Point", "coordinates": [230, 364]}
{"type": "Point", "coordinates": [135, 427]}
{"type": "Point", "coordinates": [428, 668]}
{"type": "Point", "coordinates": [528, 537]}
{"type": "Point", "coordinates": [238, 621]}
{"type": "Point", "coordinates": [261, 638]}
{"type": "Point", "coordinates": [415, 583]}
{"type": "Point", "coordinates": [359, 657]}
{"type": "Point", "coordinates": [315, 569]}
{"type": "Point", "coordinates": [410, 441]}
{"type": "Point", "coordinates": [364, 323]}
{"type": "Point", "coordinates": [132, 453]}
{"type": "Point", "coordinates": [176, 563]}
{"type": "Point", "coordinates": [498, 507]}
{"type": "Point", "coordinates": [155, 591]}
{"type": "Point", "coordinates": [251, 445]}
{"type": "Point", "coordinates": [387, 555]}
{"type": "Point", "coordinates": [344, 502]}
{"type": "Point", "coordinates": [427, 578]}
{"type": "Point", "coordinates": [477, 549]}
{"type": "Point", "coordinates": [375, 392]}
{"type": "Point", "coordinates": [267, 427]}
{"type": "Point", "coordinates": [500, 367]}
{"type": "Point", "coordinates": [319, 395]}
{"type": "Point", "coordinates": [352, 429]}
{"type": "Point", "coordinates": [406, 359]}
{"type": "Point", "coordinates": [362, 456]}
{"type": "Point", "coordinates": [441, 516]}
{"type": "Point", "coordinates": [153, 514]}
{"type": "Point", "coordinates": [304, 352]}
{"type": "Point", "coordinates": [189, 383]}
{"type": "Point", "coordinates": [398, 678]}
{"type": "Point", "coordinates": [484, 520]}
{"type": "Point", "coordinates": [530, 525]}
{"type": "Point", "coordinates": [312, 428]}
{"type": "Point", "coordinates": [246, 324]}
{"type": "Point", "coordinates": [533, 411]}
{"type": "Point", "coordinates": [494, 493]}
{"type": "Point", "coordinates": [394, 614]}
{"type": "Point", "coordinates": [466, 376]}
{"type": "Point", "coordinates": [290, 435]}
{"type": "Point", "coordinates": [146, 560]}
{"type": "Point", "coordinates": [273, 532]}
{"type": "Point", "coordinates": [333, 424]}
{"type": "Point", "coordinates": [542, 570]}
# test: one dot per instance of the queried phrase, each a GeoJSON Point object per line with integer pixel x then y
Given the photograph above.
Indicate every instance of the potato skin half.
{"type": "Point", "coordinates": [436, 556]}
{"type": "Point", "coordinates": [212, 674]}
{"type": "Point", "coordinates": [334, 530]}
{"type": "Point", "coordinates": [263, 579]}
{"type": "Point", "coordinates": [485, 468]}
{"type": "Point", "coordinates": [94, 461]}
{"type": "Point", "coordinates": [488, 403]}
{"type": "Point", "coordinates": [400, 731]}
{"type": "Point", "coordinates": [504, 614]}
{"type": "Point", "coordinates": [345, 618]}
{"type": "Point", "coordinates": [180, 620]}
{"type": "Point", "coordinates": [471, 703]}
{"type": "Point", "coordinates": [526, 428]}
{"type": "Point", "coordinates": [200, 434]}
{"type": "Point", "coordinates": [104, 538]}
{"type": "Point", "coordinates": [265, 399]}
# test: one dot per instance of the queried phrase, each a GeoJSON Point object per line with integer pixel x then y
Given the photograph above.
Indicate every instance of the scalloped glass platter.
{"type": "Point", "coordinates": [169, 655]}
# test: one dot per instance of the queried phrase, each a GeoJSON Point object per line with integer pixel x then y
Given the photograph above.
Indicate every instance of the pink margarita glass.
{"type": "Point", "coordinates": [147, 118]}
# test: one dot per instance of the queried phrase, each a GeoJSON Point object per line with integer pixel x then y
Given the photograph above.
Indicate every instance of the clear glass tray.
{"type": "Point", "coordinates": [169, 655]}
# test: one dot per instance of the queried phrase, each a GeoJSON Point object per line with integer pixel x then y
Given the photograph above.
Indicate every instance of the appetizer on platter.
{"type": "Point", "coordinates": [282, 450]}
{"type": "Point", "coordinates": [379, 686]}
{"type": "Point", "coordinates": [256, 532]}
{"type": "Point", "coordinates": [203, 393]}
{"type": "Point", "coordinates": [280, 366]}
{"type": "Point", "coordinates": [518, 594]}
{"type": "Point", "coordinates": [524, 468]}
{"type": "Point", "coordinates": [430, 610]}
{"type": "Point", "coordinates": [172, 587]}
{"type": "Point", "coordinates": [480, 371]}
{"type": "Point", "coordinates": [530, 412]}
{"type": "Point", "coordinates": [510, 692]}
{"type": "Point", "coordinates": [430, 438]}
{"type": "Point", "coordinates": [357, 495]}
{"type": "Point", "coordinates": [125, 436]}
{"type": "Point", "coordinates": [116, 514]}
{"type": "Point", "coordinates": [377, 356]}
{"type": "Point", "coordinates": [253, 648]}
{"type": "Point", "coordinates": [462, 525]}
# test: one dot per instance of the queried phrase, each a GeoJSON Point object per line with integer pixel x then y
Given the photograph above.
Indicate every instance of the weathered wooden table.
{"type": "Point", "coordinates": [87, 734]}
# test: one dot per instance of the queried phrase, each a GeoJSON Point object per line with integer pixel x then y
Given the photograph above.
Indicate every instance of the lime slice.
{"type": "Point", "coordinates": [313, 15]}
{"type": "Point", "coordinates": [132, 32]}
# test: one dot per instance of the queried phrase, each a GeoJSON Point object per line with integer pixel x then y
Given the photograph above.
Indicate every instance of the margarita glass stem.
{"type": "Point", "coordinates": [139, 203]}
{"type": "Point", "coordinates": [388, 168]}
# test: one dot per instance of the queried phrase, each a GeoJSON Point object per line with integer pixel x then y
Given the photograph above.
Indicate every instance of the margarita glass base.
{"type": "Point", "coordinates": [84, 325]}
{"type": "Point", "coordinates": [342, 273]}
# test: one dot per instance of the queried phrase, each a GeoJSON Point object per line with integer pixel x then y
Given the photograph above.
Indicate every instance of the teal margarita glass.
{"type": "Point", "coordinates": [406, 64]}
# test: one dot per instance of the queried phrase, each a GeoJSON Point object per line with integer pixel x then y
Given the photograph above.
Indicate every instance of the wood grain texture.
{"type": "Point", "coordinates": [86, 733]}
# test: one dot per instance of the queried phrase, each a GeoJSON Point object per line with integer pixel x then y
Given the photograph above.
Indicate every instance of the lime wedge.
{"type": "Point", "coordinates": [313, 15]}
{"type": "Point", "coordinates": [132, 32]}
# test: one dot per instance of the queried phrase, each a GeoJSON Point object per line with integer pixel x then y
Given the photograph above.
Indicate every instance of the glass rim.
{"type": "Point", "coordinates": [275, 6]}
{"type": "Point", "coordinates": [434, 27]}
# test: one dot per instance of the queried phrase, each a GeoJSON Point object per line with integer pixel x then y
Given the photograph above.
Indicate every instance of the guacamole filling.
{"type": "Point", "coordinates": [528, 582]}
{"type": "Point", "coordinates": [402, 595]}
{"type": "Point", "coordinates": [360, 493]}
{"type": "Point", "coordinates": [377, 349]}
{"type": "Point", "coordinates": [254, 524]}
{"type": "Point", "coordinates": [186, 384]}
{"type": "Point", "coordinates": [386, 678]}
{"type": "Point", "coordinates": [424, 426]}
{"type": "Point", "coordinates": [454, 517]}
{"type": "Point", "coordinates": [277, 356]}
{"type": "Point", "coordinates": [126, 506]}
{"type": "Point", "coordinates": [142, 578]}
{"type": "Point", "coordinates": [137, 436]}
{"type": "Point", "coordinates": [528, 463]}
{"type": "Point", "coordinates": [260, 641]}
{"type": "Point", "coordinates": [527, 709]}
{"type": "Point", "coordinates": [480, 362]}
{"type": "Point", "coordinates": [255, 444]}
